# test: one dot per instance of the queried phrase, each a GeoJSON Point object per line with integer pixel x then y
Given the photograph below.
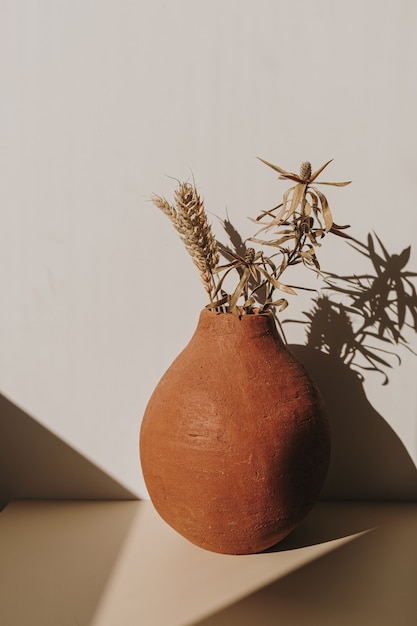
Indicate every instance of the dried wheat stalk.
{"type": "Point", "coordinates": [190, 221]}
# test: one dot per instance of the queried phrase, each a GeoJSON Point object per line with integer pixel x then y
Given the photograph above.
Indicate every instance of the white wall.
{"type": "Point", "coordinates": [101, 99]}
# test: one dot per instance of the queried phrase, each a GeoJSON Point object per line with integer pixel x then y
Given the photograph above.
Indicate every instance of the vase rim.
{"type": "Point", "coordinates": [234, 324]}
{"type": "Point", "coordinates": [256, 314]}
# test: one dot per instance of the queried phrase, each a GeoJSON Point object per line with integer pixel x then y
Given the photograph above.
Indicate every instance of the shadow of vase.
{"type": "Point", "coordinates": [368, 461]}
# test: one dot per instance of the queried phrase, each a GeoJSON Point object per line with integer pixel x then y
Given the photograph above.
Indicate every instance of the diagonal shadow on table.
{"type": "Point", "coordinates": [57, 559]}
{"type": "Point", "coordinates": [63, 526]}
{"type": "Point", "coordinates": [368, 580]}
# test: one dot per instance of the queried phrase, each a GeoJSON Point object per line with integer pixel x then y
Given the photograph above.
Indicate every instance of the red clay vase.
{"type": "Point", "coordinates": [235, 442]}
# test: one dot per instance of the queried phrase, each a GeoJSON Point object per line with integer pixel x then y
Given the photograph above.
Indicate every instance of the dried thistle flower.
{"type": "Point", "coordinates": [305, 170]}
{"type": "Point", "coordinates": [303, 217]}
{"type": "Point", "coordinates": [309, 200]}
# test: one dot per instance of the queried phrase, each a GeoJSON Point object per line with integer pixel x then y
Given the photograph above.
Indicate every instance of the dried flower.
{"type": "Point", "coordinates": [302, 219]}
{"type": "Point", "coordinates": [298, 223]}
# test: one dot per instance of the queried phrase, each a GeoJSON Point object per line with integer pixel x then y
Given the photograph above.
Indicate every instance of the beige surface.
{"type": "Point", "coordinates": [117, 563]}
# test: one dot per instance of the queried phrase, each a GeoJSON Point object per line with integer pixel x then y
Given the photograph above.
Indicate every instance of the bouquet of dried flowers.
{"type": "Point", "coordinates": [293, 230]}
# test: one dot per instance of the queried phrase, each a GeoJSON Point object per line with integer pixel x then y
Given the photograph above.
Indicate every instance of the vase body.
{"type": "Point", "coordinates": [234, 442]}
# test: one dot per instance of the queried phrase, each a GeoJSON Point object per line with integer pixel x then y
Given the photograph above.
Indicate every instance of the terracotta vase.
{"type": "Point", "coordinates": [234, 442]}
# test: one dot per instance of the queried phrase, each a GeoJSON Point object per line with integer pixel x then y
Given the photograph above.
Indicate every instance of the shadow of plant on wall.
{"type": "Point", "coordinates": [357, 327]}
{"type": "Point", "coordinates": [376, 308]}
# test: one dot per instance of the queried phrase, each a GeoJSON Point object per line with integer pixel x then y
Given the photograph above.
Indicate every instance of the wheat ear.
{"type": "Point", "coordinates": [190, 221]}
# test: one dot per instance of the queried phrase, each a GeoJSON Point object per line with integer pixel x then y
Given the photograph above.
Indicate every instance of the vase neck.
{"type": "Point", "coordinates": [240, 327]}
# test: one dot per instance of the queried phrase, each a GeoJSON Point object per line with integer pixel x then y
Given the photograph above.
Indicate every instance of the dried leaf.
{"type": "Point", "coordinates": [249, 302]}
{"type": "Point", "coordinates": [283, 306]}
{"type": "Point", "coordinates": [297, 196]}
{"type": "Point", "coordinates": [239, 289]}
{"type": "Point", "coordinates": [268, 213]}
{"type": "Point", "coordinates": [281, 303]}
{"type": "Point", "coordinates": [218, 303]}
{"type": "Point", "coordinates": [284, 173]}
{"type": "Point", "coordinates": [269, 262]}
{"type": "Point", "coordinates": [283, 214]}
{"type": "Point", "coordinates": [307, 254]}
{"type": "Point", "coordinates": [276, 283]}
{"type": "Point", "coordinates": [328, 219]}
{"type": "Point", "coordinates": [337, 227]}
{"type": "Point", "coordinates": [339, 234]}
{"type": "Point", "coordinates": [220, 283]}
{"type": "Point", "coordinates": [275, 242]}
{"type": "Point", "coordinates": [343, 184]}
{"type": "Point", "coordinates": [221, 268]}
{"type": "Point", "coordinates": [254, 272]}
{"type": "Point", "coordinates": [306, 207]}
{"type": "Point", "coordinates": [319, 171]}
